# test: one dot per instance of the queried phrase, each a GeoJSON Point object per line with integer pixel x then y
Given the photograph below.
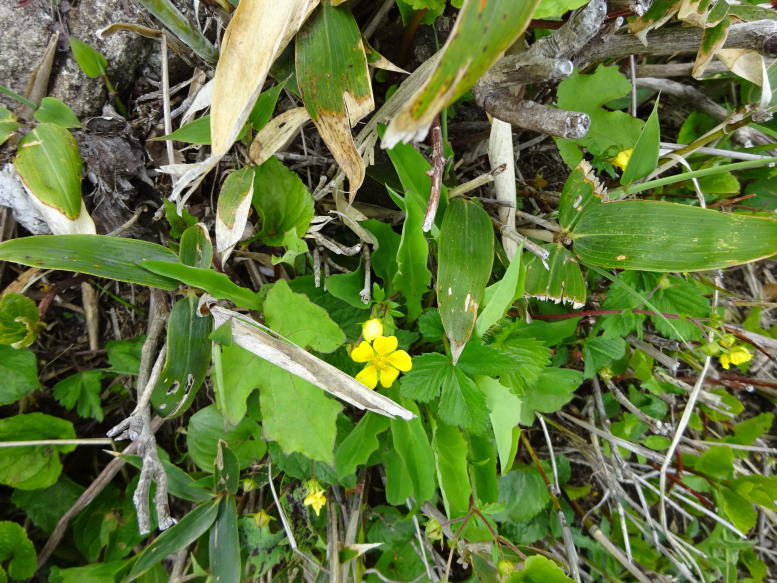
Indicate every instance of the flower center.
{"type": "Point", "coordinates": [381, 363]}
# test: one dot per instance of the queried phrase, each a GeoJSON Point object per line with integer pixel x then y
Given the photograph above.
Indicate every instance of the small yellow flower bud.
{"type": "Point", "coordinates": [315, 497]}
{"type": "Point", "coordinates": [371, 329]}
{"type": "Point", "coordinates": [621, 160]}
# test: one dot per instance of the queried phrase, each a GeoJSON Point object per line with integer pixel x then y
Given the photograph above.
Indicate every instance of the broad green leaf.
{"type": "Point", "coordinates": [297, 415]}
{"type": "Point", "coordinates": [523, 493]}
{"type": "Point", "coordinates": [611, 131]}
{"type": "Point", "coordinates": [180, 26]}
{"type": "Point", "coordinates": [216, 284]}
{"type": "Point", "coordinates": [282, 201]}
{"type": "Point", "coordinates": [360, 443]}
{"type": "Point", "coordinates": [483, 459]}
{"type": "Point", "coordinates": [186, 359]}
{"type": "Point", "coordinates": [239, 376]}
{"type": "Point", "coordinates": [234, 203]}
{"type": "Point", "coordinates": [399, 486]}
{"type": "Point", "coordinates": [124, 355]}
{"type": "Point", "coordinates": [334, 81]}
{"type": "Point", "coordinates": [412, 447]}
{"type": "Point", "coordinates": [424, 380]}
{"type": "Point", "coordinates": [195, 248]}
{"type": "Point", "coordinates": [412, 278]}
{"type": "Point", "coordinates": [505, 414]}
{"type": "Point", "coordinates": [539, 569]}
{"type": "Point", "coordinates": [502, 295]}
{"type": "Point", "coordinates": [94, 573]}
{"type": "Point", "coordinates": [462, 403]}
{"type": "Point", "coordinates": [601, 352]}
{"type": "Point", "coordinates": [224, 544]}
{"type": "Point", "coordinates": [553, 389]}
{"type": "Point", "coordinates": [17, 553]}
{"type": "Point", "coordinates": [530, 355]}
{"type": "Point", "coordinates": [746, 432]}
{"type": "Point", "coordinates": [33, 467]}
{"type": "Point", "coordinates": [561, 282]}
{"type": "Point", "coordinates": [46, 506]}
{"type": "Point", "coordinates": [450, 453]}
{"type": "Point", "coordinates": [737, 509]}
{"type": "Point", "coordinates": [348, 287]}
{"type": "Point", "coordinates": [89, 59]}
{"type": "Point", "coordinates": [19, 320]}
{"type": "Point", "coordinates": [487, 359]}
{"type": "Point", "coordinates": [8, 124]}
{"type": "Point", "coordinates": [52, 110]}
{"type": "Point", "coordinates": [263, 548]}
{"type": "Point", "coordinates": [265, 105]}
{"type": "Point", "coordinates": [256, 35]}
{"type": "Point", "coordinates": [717, 462]}
{"type": "Point", "coordinates": [480, 36]}
{"type": "Point", "coordinates": [644, 158]}
{"type": "Point", "coordinates": [206, 428]}
{"type": "Point", "coordinates": [49, 164]}
{"type": "Point", "coordinates": [189, 529]}
{"type": "Point", "coordinates": [100, 255]}
{"type": "Point", "coordinates": [663, 236]}
{"type": "Point", "coordinates": [195, 132]}
{"type": "Point", "coordinates": [82, 391]}
{"type": "Point", "coordinates": [299, 320]}
{"type": "Point", "coordinates": [466, 255]}
{"type": "Point", "coordinates": [556, 8]}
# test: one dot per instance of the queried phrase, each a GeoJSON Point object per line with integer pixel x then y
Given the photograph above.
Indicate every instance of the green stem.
{"type": "Point", "coordinates": [620, 192]}
{"type": "Point", "coordinates": [17, 97]}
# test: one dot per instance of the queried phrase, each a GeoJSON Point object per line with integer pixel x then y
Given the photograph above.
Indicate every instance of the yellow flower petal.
{"type": "Point", "coordinates": [387, 376]}
{"type": "Point", "coordinates": [368, 376]}
{"type": "Point", "coordinates": [740, 355]}
{"type": "Point", "coordinates": [401, 360]}
{"type": "Point", "coordinates": [371, 329]}
{"type": "Point", "coordinates": [725, 361]}
{"type": "Point", "coordinates": [621, 160]}
{"type": "Point", "coordinates": [384, 345]}
{"type": "Point", "coordinates": [363, 353]}
{"type": "Point", "coordinates": [316, 499]}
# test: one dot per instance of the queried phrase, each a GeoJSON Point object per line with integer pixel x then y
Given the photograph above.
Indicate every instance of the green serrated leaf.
{"type": "Point", "coordinates": [523, 493]}
{"type": "Point", "coordinates": [17, 550]}
{"type": "Point", "coordinates": [466, 255]}
{"type": "Point", "coordinates": [82, 391]}
{"type": "Point", "coordinates": [19, 320]}
{"type": "Point", "coordinates": [539, 569]}
{"type": "Point", "coordinates": [282, 201]}
{"type": "Point", "coordinates": [100, 255]}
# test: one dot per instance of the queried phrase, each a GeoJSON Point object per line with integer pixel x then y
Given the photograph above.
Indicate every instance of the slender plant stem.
{"type": "Point", "coordinates": [17, 97]}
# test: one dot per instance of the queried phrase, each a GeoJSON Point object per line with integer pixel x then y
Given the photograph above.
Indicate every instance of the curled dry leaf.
{"type": "Point", "coordinates": [278, 131]}
{"type": "Point", "coordinates": [248, 334]}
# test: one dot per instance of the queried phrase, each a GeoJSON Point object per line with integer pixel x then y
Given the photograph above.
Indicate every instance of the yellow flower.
{"type": "Point", "coordinates": [315, 497]}
{"type": "Point", "coordinates": [385, 361]}
{"type": "Point", "coordinates": [736, 355]}
{"type": "Point", "coordinates": [261, 518]}
{"type": "Point", "coordinates": [621, 160]}
{"type": "Point", "coordinates": [371, 329]}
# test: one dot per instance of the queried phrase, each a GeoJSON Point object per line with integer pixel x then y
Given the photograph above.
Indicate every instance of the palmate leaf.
{"type": "Point", "coordinates": [483, 31]}
{"type": "Point", "coordinates": [663, 236]}
{"type": "Point", "coordinates": [334, 80]}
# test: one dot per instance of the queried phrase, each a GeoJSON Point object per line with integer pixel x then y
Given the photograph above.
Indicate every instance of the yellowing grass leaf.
{"type": "Point", "coordinates": [257, 33]}
{"type": "Point", "coordinates": [484, 29]}
{"type": "Point", "coordinates": [334, 80]}
{"type": "Point", "coordinates": [276, 133]}
{"type": "Point", "coordinates": [232, 212]}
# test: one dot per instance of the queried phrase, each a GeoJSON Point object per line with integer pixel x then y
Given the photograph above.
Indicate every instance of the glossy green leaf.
{"type": "Point", "coordinates": [195, 249]}
{"type": "Point", "coordinates": [466, 255]}
{"type": "Point", "coordinates": [100, 255]}
{"type": "Point", "coordinates": [216, 284]}
{"type": "Point", "coordinates": [189, 529]}
{"type": "Point", "coordinates": [539, 569]}
{"type": "Point", "coordinates": [19, 320]}
{"type": "Point", "coordinates": [186, 360]}
{"type": "Point", "coordinates": [297, 415]}
{"type": "Point", "coordinates": [412, 278]}
{"type": "Point", "coordinates": [8, 124]}
{"type": "Point", "coordinates": [33, 467]}
{"type": "Point", "coordinates": [501, 295]}
{"type": "Point", "coordinates": [480, 36]}
{"type": "Point", "coordinates": [450, 453]}
{"type": "Point", "coordinates": [348, 287]}
{"type": "Point", "coordinates": [224, 544]}
{"type": "Point", "coordinates": [561, 282]}
{"type": "Point", "coordinates": [187, 33]}
{"type": "Point", "coordinates": [360, 443]}
{"type": "Point", "coordinates": [265, 105]}
{"type": "Point", "coordinates": [16, 551]}
{"type": "Point", "coordinates": [524, 494]}
{"type": "Point", "coordinates": [299, 320]}
{"type": "Point", "coordinates": [413, 449]}
{"type": "Point", "coordinates": [663, 236]}
{"type": "Point", "coordinates": [334, 80]}
{"type": "Point", "coordinates": [206, 428]}
{"type": "Point", "coordinates": [737, 509]}
{"type": "Point", "coordinates": [234, 203]}
{"type": "Point", "coordinates": [282, 201]}
{"type": "Point", "coordinates": [195, 132]}
{"type": "Point", "coordinates": [52, 110]}
{"type": "Point", "coordinates": [505, 414]}
{"type": "Point", "coordinates": [644, 158]}
{"type": "Point", "coordinates": [89, 59]}
{"type": "Point", "coordinates": [49, 163]}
